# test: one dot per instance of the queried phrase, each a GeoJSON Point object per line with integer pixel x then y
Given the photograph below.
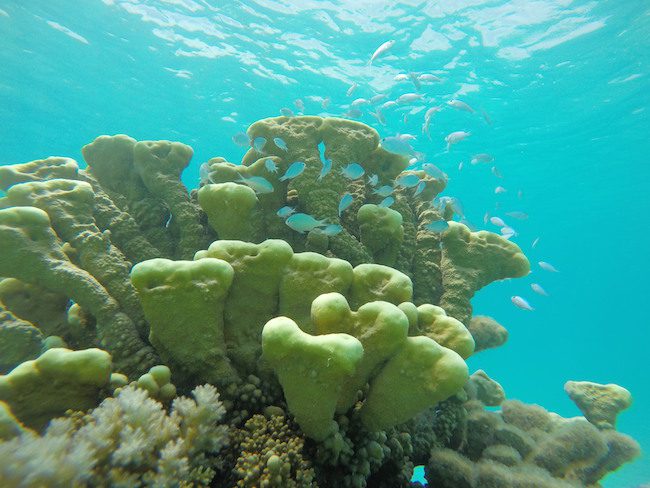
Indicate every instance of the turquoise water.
{"type": "Point", "coordinates": [564, 84]}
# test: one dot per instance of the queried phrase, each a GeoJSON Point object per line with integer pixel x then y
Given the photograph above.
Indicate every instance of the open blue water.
{"type": "Point", "coordinates": [564, 84]}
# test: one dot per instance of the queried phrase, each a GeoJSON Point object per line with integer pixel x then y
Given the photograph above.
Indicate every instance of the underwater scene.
{"type": "Point", "coordinates": [324, 243]}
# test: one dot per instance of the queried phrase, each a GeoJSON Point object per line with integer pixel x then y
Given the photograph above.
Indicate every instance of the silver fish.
{"type": "Point", "coordinates": [547, 267]}
{"type": "Point", "coordinates": [538, 289]}
{"type": "Point", "coordinates": [460, 105]}
{"type": "Point", "coordinates": [456, 137]}
{"type": "Point", "coordinates": [519, 302]}
{"type": "Point", "coordinates": [381, 50]}
{"type": "Point", "coordinates": [241, 139]}
{"type": "Point", "coordinates": [287, 112]}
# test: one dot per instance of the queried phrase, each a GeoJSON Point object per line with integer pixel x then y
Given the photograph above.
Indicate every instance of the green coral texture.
{"type": "Point", "coordinates": [306, 359]}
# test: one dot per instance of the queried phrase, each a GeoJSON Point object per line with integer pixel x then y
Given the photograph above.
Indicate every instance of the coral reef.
{"type": "Point", "coordinates": [129, 440]}
{"type": "Point", "coordinates": [337, 345]}
{"type": "Point", "coordinates": [526, 446]}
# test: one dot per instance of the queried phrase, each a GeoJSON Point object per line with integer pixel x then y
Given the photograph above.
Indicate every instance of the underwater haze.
{"type": "Point", "coordinates": [553, 97]}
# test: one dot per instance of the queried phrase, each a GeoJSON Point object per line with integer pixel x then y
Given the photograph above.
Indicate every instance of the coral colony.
{"type": "Point", "coordinates": [302, 319]}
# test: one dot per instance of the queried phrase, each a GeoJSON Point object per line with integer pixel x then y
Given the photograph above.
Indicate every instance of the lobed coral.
{"type": "Point", "coordinates": [359, 336]}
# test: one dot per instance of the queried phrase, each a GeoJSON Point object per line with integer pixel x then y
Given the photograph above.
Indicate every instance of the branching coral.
{"type": "Point", "coordinates": [129, 440]}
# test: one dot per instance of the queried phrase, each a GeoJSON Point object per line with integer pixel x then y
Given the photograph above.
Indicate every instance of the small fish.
{"type": "Point", "coordinates": [460, 166]}
{"type": "Point", "coordinates": [401, 77]}
{"type": "Point", "coordinates": [409, 98]}
{"type": "Point", "coordinates": [280, 143]}
{"type": "Point", "coordinates": [346, 201]}
{"type": "Point", "coordinates": [428, 77]}
{"type": "Point", "coordinates": [407, 181]}
{"type": "Point", "coordinates": [287, 112]}
{"type": "Point", "coordinates": [413, 161]}
{"type": "Point", "coordinates": [508, 231]}
{"type": "Point", "coordinates": [407, 137]}
{"type": "Point", "coordinates": [383, 191]}
{"type": "Point", "coordinates": [354, 113]}
{"type": "Point", "coordinates": [415, 80]}
{"type": "Point", "coordinates": [300, 105]}
{"type": "Point", "coordinates": [538, 289]}
{"type": "Point", "coordinates": [456, 137]}
{"type": "Point", "coordinates": [482, 158]}
{"type": "Point", "coordinates": [241, 139]}
{"type": "Point", "coordinates": [547, 267]}
{"type": "Point", "coordinates": [486, 217]}
{"type": "Point", "coordinates": [517, 215]}
{"type": "Point", "coordinates": [350, 91]}
{"type": "Point", "coordinates": [497, 221]}
{"type": "Point", "coordinates": [270, 165]}
{"type": "Point", "coordinates": [359, 101]}
{"type": "Point", "coordinates": [332, 229]}
{"type": "Point", "coordinates": [496, 172]}
{"type": "Point", "coordinates": [302, 223]}
{"type": "Point", "coordinates": [381, 50]}
{"type": "Point", "coordinates": [534, 244]}
{"type": "Point", "coordinates": [353, 171]}
{"type": "Point", "coordinates": [379, 116]}
{"type": "Point", "coordinates": [373, 180]}
{"type": "Point", "coordinates": [437, 226]}
{"type": "Point", "coordinates": [294, 170]}
{"type": "Point", "coordinates": [387, 202]}
{"type": "Point", "coordinates": [388, 104]}
{"type": "Point", "coordinates": [500, 189]}
{"type": "Point", "coordinates": [468, 224]}
{"type": "Point", "coordinates": [420, 188]}
{"type": "Point", "coordinates": [204, 174]}
{"type": "Point", "coordinates": [427, 119]}
{"type": "Point", "coordinates": [285, 212]}
{"type": "Point", "coordinates": [325, 103]}
{"type": "Point", "coordinates": [486, 117]}
{"type": "Point", "coordinates": [324, 170]}
{"type": "Point", "coordinates": [431, 112]}
{"type": "Point", "coordinates": [258, 143]}
{"type": "Point", "coordinates": [396, 145]}
{"type": "Point", "coordinates": [257, 183]}
{"type": "Point", "coordinates": [327, 164]}
{"type": "Point", "coordinates": [521, 303]}
{"type": "Point", "coordinates": [433, 171]}
{"type": "Point", "coordinates": [378, 98]}
{"type": "Point", "coordinates": [455, 204]}
{"type": "Point", "coordinates": [460, 105]}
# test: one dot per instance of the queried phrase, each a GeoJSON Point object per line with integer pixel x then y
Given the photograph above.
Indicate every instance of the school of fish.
{"type": "Point", "coordinates": [402, 108]}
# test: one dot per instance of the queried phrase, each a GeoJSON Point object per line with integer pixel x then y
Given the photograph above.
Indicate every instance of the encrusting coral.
{"type": "Point", "coordinates": [338, 348]}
